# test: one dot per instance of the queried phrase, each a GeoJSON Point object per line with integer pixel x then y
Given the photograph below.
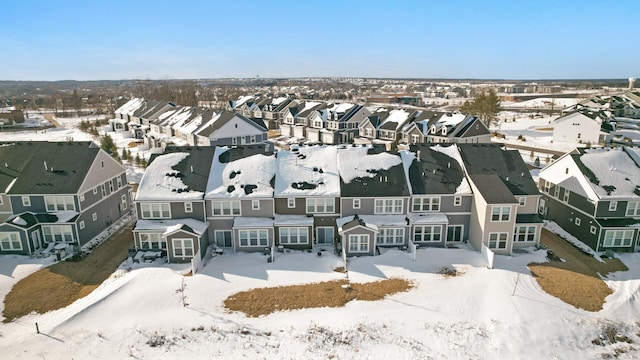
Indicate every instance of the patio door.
{"type": "Point", "coordinates": [223, 238]}
{"type": "Point", "coordinates": [454, 233]}
{"type": "Point", "coordinates": [35, 240]}
{"type": "Point", "coordinates": [324, 235]}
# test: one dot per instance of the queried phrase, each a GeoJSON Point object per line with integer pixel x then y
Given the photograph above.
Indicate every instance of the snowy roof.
{"type": "Point", "coordinates": [130, 106]}
{"type": "Point", "coordinates": [368, 170]}
{"type": "Point", "coordinates": [241, 172]}
{"type": "Point", "coordinates": [162, 182]}
{"type": "Point", "coordinates": [396, 119]}
{"type": "Point", "coordinates": [170, 226]}
{"type": "Point", "coordinates": [450, 119]}
{"type": "Point", "coordinates": [308, 170]}
{"type": "Point", "coordinates": [385, 220]}
{"type": "Point", "coordinates": [344, 223]}
{"type": "Point", "coordinates": [296, 220]}
{"type": "Point", "coordinates": [615, 171]}
{"type": "Point", "coordinates": [435, 170]}
{"type": "Point", "coordinates": [428, 218]}
{"type": "Point", "coordinates": [252, 222]}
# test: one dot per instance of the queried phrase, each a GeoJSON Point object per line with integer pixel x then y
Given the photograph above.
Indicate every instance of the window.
{"type": "Point", "coordinates": [94, 216]}
{"type": "Point", "coordinates": [525, 233]}
{"type": "Point", "coordinates": [593, 229]}
{"type": "Point", "coordinates": [253, 139]}
{"type": "Point", "coordinates": [547, 186]}
{"type": "Point", "coordinates": [359, 243]}
{"type": "Point", "coordinates": [390, 236]}
{"type": "Point", "coordinates": [633, 208]}
{"type": "Point", "coordinates": [613, 205]}
{"type": "Point", "coordinates": [26, 201]}
{"type": "Point", "coordinates": [110, 187]}
{"type": "Point", "coordinates": [322, 205]}
{"type": "Point", "coordinates": [226, 207]}
{"type": "Point", "coordinates": [81, 197]}
{"type": "Point", "coordinates": [124, 204]}
{"type": "Point", "coordinates": [95, 190]}
{"type": "Point", "coordinates": [618, 238]}
{"type": "Point", "coordinates": [155, 211]}
{"type": "Point", "coordinates": [234, 140]}
{"type": "Point", "coordinates": [565, 197]}
{"type": "Point", "coordinates": [291, 203]}
{"type": "Point", "coordinates": [81, 224]}
{"type": "Point", "coordinates": [497, 241]}
{"type": "Point", "coordinates": [103, 190]}
{"type": "Point", "coordinates": [356, 203]}
{"type": "Point", "coordinates": [500, 213]}
{"type": "Point", "coordinates": [522, 201]}
{"type": "Point", "coordinates": [388, 206]}
{"type": "Point", "coordinates": [242, 140]}
{"type": "Point", "coordinates": [556, 192]}
{"type": "Point", "coordinates": [59, 203]}
{"type": "Point", "coordinates": [118, 182]}
{"type": "Point", "coordinates": [454, 232]}
{"type": "Point", "coordinates": [257, 237]}
{"type": "Point", "coordinates": [427, 233]}
{"type": "Point", "coordinates": [57, 233]}
{"type": "Point", "coordinates": [152, 241]}
{"type": "Point", "coordinates": [255, 204]}
{"type": "Point", "coordinates": [182, 247]}
{"type": "Point", "coordinates": [457, 200]}
{"type": "Point", "coordinates": [10, 241]}
{"type": "Point", "coordinates": [188, 207]}
{"type": "Point", "coordinates": [294, 235]}
{"type": "Point", "coordinates": [577, 221]}
{"type": "Point", "coordinates": [422, 204]}
{"type": "Point", "coordinates": [102, 164]}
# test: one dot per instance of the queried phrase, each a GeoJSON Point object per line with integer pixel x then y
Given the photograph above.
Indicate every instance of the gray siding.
{"type": "Point", "coordinates": [602, 209]}
{"type": "Point", "coordinates": [357, 231]}
{"type": "Point", "coordinates": [565, 216]}
{"type": "Point", "coordinates": [265, 208]}
{"type": "Point", "coordinates": [309, 245]}
{"type": "Point", "coordinates": [447, 201]}
{"type": "Point", "coordinates": [236, 240]}
{"type": "Point", "coordinates": [107, 212]}
{"type": "Point", "coordinates": [181, 235]}
{"type": "Point", "coordinates": [463, 220]}
{"type": "Point", "coordinates": [23, 240]}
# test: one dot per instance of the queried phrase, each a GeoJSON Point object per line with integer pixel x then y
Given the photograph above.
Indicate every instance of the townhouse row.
{"type": "Point", "coordinates": [357, 198]}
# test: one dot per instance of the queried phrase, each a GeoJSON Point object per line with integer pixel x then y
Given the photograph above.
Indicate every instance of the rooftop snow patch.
{"type": "Point", "coordinates": [357, 162]}
{"type": "Point", "coordinates": [313, 170]}
{"type": "Point", "coordinates": [130, 106]}
{"type": "Point", "coordinates": [161, 182]}
{"type": "Point", "coordinates": [250, 176]}
{"type": "Point", "coordinates": [397, 116]}
{"type": "Point", "coordinates": [616, 171]}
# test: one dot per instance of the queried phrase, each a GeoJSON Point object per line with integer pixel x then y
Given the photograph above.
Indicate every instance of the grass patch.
{"type": "Point", "coordinates": [133, 144]}
{"type": "Point", "coordinates": [264, 301]}
{"type": "Point", "coordinates": [577, 280]}
{"type": "Point", "coordinates": [61, 284]}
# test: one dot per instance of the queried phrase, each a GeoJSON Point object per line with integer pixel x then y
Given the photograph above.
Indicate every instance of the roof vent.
{"type": "Point", "coordinates": [45, 166]}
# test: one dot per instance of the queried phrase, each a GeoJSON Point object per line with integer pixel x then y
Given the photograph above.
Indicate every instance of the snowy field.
{"type": "Point", "coordinates": [481, 314]}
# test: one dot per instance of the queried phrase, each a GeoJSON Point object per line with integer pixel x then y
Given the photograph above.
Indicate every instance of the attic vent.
{"type": "Point", "coordinates": [566, 170]}
{"type": "Point", "coordinates": [507, 178]}
{"type": "Point", "coordinates": [449, 164]}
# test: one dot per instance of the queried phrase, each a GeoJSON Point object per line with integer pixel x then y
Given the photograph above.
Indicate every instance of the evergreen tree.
{"type": "Point", "coordinates": [485, 106]}
{"type": "Point", "coordinates": [107, 144]}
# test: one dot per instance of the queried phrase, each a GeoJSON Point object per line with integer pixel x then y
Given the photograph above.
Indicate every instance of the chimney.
{"type": "Point", "coordinates": [418, 155]}
{"type": "Point", "coordinates": [192, 168]}
{"type": "Point", "coordinates": [45, 166]}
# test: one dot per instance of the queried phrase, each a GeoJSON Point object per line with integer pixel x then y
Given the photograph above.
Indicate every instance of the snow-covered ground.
{"type": "Point", "coordinates": [483, 313]}
{"type": "Point", "coordinates": [541, 103]}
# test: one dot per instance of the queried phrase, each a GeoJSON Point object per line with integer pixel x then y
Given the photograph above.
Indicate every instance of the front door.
{"type": "Point", "coordinates": [324, 235]}
{"type": "Point", "coordinates": [223, 238]}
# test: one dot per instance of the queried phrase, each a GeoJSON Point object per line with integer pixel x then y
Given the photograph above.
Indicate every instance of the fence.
{"type": "Point", "coordinates": [488, 255]}
{"type": "Point", "coordinates": [196, 263]}
{"type": "Point", "coordinates": [413, 249]}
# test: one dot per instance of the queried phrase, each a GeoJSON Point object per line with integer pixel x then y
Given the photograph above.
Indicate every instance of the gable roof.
{"type": "Point", "coordinates": [369, 171]}
{"type": "Point", "coordinates": [224, 117]}
{"type": "Point", "coordinates": [180, 173]}
{"type": "Point", "coordinates": [507, 166]}
{"type": "Point", "coordinates": [23, 168]}
{"type": "Point", "coordinates": [246, 171]}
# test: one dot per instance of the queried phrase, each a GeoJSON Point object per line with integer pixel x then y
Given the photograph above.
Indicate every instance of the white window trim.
{"type": "Point", "coordinates": [577, 221]}
{"type": "Point", "coordinates": [255, 204]}
{"type": "Point", "coordinates": [65, 201]}
{"type": "Point", "coordinates": [259, 232]}
{"type": "Point", "coordinates": [94, 216]}
{"type": "Point", "coordinates": [497, 241]}
{"type": "Point", "coordinates": [81, 197]}
{"type": "Point", "coordinates": [147, 210]}
{"type": "Point", "coordinates": [26, 201]}
{"type": "Point", "coordinates": [11, 238]}
{"type": "Point", "coordinates": [457, 200]}
{"type": "Point", "coordinates": [633, 208]}
{"type": "Point", "coordinates": [291, 203]}
{"type": "Point", "coordinates": [232, 209]}
{"type": "Point", "coordinates": [396, 205]}
{"type": "Point", "coordinates": [188, 207]}
{"type": "Point", "coordinates": [95, 190]}
{"type": "Point", "coordinates": [361, 242]}
{"type": "Point", "coordinates": [391, 236]}
{"type": "Point", "coordinates": [432, 233]}
{"type": "Point", "coordinates": [623, 233]}
{"type": "Point", "coordinates": [593, 229]}
{"type": "Point", "coordinates": [425, 204]}
{"type": "Point", "coordinates": [320, 205]}
{"type": "Point", "coordinates": [52, 229]}
{"type": "Point", "coordinates": [81, 224]}
{"type": "Point", "coordinates": [288, 231]}
{"type": "Point", "coordinates": [180, 244]}
{"type": "Point", "coordinates": [527, 233]}
{"type": "Point", "coordinates": [501, 214]}
{"type": "Point", "coordinates": [356, 203]}
{"type": "Point", "coordinates": [522, 201]}
{"type": "Point", "coordinates": [565, 196]}
{"type": "Point", "coordinates": [613, 205]}
{"type": "Point", "coordinates": [152, 238]}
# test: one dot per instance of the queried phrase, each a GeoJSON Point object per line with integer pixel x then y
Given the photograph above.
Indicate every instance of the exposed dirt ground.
{"type": "Point", "coordinates": [265, 301]}
{"type": "Point", "coordinates": [63, 283]}
{"type": "Point", "coordinates": [577, 280]}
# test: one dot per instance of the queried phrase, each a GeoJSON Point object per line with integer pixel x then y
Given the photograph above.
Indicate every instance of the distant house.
{"type": "Point", "coordinates": [579, 127]}
{"type": "Point", "coordinates": [11, 116]}
{"type": "Point", "coordinates": [594, 195]}
{"type": "Point", "coordinates": [58, 192]}
{"type": "Point", "coordinates": [232, 129]}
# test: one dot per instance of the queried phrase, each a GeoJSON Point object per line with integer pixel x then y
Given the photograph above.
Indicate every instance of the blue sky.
{"type": "Point", "coordinates": [114, 39]}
